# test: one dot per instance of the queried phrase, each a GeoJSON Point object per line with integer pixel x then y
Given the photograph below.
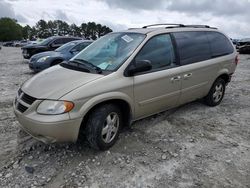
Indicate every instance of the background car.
{"type": "Point", "coordinates": [21, 43]}
{"type": "Point", "coordinates": [243, 46]}
{"type": "Point", "coordinates": [48, 44]}
{"type": "Point", "coordinates": [45, 60]}
{"type": "Point", "coordinates": [8, 43]}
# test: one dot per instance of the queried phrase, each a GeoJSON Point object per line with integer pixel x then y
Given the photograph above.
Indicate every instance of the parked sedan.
{"type": "Point", "coordinates": [48, 44]}
{"type": "Point", "coordinates": [45, 60]}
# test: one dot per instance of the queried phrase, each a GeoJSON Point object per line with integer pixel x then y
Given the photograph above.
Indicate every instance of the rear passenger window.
{"type": "Point", "coordinates": [220, 45]}
{"type": "Point", "coordinates": [159, 51]}
{"type": "Point", "coordinates": [192, 47]}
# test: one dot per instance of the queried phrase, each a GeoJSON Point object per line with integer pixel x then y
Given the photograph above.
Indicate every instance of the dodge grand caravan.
{"type": "Point", "coordinates": [122, 77]}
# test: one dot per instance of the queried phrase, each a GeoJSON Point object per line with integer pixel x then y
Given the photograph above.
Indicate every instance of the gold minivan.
{"type": "Point", "coordinates": [125, 76]}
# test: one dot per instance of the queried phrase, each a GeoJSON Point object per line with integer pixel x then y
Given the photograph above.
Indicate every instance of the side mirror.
{"type": "Point", "coordinates": [139, 66]}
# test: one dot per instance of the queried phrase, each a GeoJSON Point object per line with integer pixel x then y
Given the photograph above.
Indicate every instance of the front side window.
{"type": "Point", "coordinates": [111, 50]}
{"type": "Point", "coordinates": [66, 46]}
{"type": "Point", "coordinates": [192, 46]}
{"type": "Point", "coordinates": [80, 46]}
{"type": "Point", "coordinates": [159, 51]}
{"type": "Point", "coordinates": [46, 41]}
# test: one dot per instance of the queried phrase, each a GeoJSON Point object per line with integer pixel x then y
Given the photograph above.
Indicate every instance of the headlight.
{"type": "Point", "coordinates": [50, 107]}
{"type": "Point", "coordinates": [43, 59]}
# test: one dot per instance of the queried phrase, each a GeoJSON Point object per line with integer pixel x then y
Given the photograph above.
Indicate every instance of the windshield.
{"type": "Point", "coordinates": [67, 46]}
{"type": "Point", "coordinates": [46, 41]}
{"type": "Point", "coordinates": [110, 51]}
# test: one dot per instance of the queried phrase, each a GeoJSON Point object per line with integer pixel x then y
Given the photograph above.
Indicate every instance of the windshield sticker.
{"type": "Point", "coordinates": [104, 65]}
{"type": "Point", "coordinates": [127, 38]}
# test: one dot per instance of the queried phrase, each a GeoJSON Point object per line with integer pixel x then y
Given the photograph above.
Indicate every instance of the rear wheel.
{"type": "Point", "coordinates": [216, 93]}
{"type": "Point", "coordinates": [103, 126]}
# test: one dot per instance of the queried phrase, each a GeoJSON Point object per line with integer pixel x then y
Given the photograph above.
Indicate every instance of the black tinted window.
{"type": "Point", "coordinates": [58, 41]}
{"type": "Point", "coordinates": [192, 47]}
{"type": "Point", "coordinates": [220, 45]}
{"type": "Point", "coordinates": [65, 40]}
{"type": "Point", "coordinates": [159, 51]}
{"type": "Point", "coordinates": [81, 46]}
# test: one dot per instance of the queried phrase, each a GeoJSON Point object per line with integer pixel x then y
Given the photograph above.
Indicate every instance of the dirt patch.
{"type": "Point", "coordinates": [190, 146]}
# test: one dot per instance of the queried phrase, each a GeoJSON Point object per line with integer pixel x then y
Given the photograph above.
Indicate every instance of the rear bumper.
{"type": "Point", "coordinates": [50, 132]}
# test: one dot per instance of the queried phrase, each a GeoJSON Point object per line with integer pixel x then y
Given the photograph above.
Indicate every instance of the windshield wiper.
{"type": "Point", "coordinates": [88, 64]}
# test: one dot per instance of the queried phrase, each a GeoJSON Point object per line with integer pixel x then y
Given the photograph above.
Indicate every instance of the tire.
{"type": "Point", "coordinates": [103, 126]}
{"type": "Point", "coordinates": [216, 93]}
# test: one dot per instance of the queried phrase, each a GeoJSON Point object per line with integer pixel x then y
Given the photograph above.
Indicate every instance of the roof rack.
{"type": "Point", "coordinates": [200, 26]}
{"type": "Point", "coordinates": [179, 25]}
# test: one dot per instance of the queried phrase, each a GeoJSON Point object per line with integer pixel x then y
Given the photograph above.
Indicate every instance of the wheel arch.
{"type": "Point", "coordinates": [124, 103]}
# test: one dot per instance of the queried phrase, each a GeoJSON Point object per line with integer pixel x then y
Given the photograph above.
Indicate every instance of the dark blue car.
{"type": "Point", "coordinates": [45, 60]}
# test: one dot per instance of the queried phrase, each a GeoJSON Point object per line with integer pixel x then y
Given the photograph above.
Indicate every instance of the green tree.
{"type": "Point", "coordinates": [74, 30]}
{"type": "Point", "coordinates": [52, 28]}
{"type": "Point", "coordinates": [42, 29]}
{"type": "Point", "coordinates": [62, 27]}
{"type": "Point", "coordinates": [91, 29]}
{"type": "Point", "coordinates": [10, 30]}
{"type": "Point", "coordinates": [26, 31]}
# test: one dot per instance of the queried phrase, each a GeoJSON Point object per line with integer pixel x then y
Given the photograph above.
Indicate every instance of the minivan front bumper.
{"type": "Point", "coordinates": [50, 132]}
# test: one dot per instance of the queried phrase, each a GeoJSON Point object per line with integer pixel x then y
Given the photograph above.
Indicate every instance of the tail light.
{"type": "Point", "coordinates": [237, 60]}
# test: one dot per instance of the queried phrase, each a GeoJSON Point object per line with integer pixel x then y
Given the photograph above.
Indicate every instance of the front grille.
{"type": "Point", "coordinates": [23, 101]}
{"type": "Point", "coordinates": [21, 107]}
{"type": "Point", "coordinates": [27, 99]}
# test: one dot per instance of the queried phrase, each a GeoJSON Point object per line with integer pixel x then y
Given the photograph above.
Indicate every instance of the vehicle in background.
{"type": "Point", "coordinates": [45, 60]}
{"type": "Point", "coordinates": [48, 44]}
{"type": "Point", "coordinates": [125, 76]}
{"type": "Point", "coordinates": [235, 42]}
{"type": "Point", "coordinates": [21, 43]}
{"type": "Point", "coordinates": [8, 44]}
{"type": "Point", "coordinates": [243, 46]}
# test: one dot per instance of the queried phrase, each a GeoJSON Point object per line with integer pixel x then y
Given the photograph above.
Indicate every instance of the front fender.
{"type": "Point", "coordinates": [93, 101]}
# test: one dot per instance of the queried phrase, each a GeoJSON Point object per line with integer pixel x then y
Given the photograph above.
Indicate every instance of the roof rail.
{"type": "Point", "coordinates": [200, 26]}
{"type": "Point", "coordinates": [178, 25]}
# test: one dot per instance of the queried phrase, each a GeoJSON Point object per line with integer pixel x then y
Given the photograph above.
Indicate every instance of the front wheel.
{"type": "Point", "coordinates": [103, 126]}
{"type": "Point", "coordinates": [216, 93]}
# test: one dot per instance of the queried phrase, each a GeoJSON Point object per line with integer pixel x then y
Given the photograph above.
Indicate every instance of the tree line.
{"type": "Point", "coordinates": [10, 29]}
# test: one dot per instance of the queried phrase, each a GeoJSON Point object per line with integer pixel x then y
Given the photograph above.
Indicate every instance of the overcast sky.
{"type": "Point", "coordinates": [230, 16]}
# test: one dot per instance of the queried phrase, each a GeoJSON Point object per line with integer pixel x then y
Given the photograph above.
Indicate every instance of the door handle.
{"type": "Point", "coordinates": [186, 76]}
{"type": "Point", "coordinates": [176, 78]}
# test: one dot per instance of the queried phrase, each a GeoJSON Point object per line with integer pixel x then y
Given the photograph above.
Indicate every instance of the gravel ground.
{"type": "Point", "coordinates": [190, 146]}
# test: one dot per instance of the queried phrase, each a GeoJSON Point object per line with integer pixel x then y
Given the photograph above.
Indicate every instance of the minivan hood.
{"type": "Point", "coordinates": [55, 82]}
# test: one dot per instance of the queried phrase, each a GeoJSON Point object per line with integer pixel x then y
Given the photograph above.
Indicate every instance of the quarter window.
{"type": "Point", "coordinates": [159, 51]}
{"type": "Point", "coordinates": [220, 45]}
{"type": "Point", "coordinates": [192, 47]}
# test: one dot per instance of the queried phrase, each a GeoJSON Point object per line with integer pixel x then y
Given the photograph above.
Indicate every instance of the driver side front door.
{"type": "Point", "coordinates": [159, 89]}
